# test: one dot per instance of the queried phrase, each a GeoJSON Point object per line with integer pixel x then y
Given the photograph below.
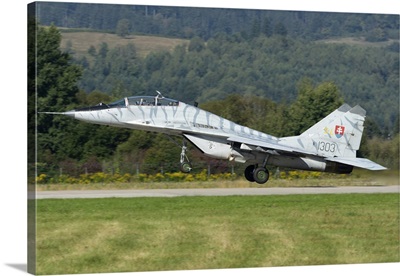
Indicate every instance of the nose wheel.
{"type": "Point", "coordinates": [259, 175]}
{"type": "Point", "coordinates": [185, 167]}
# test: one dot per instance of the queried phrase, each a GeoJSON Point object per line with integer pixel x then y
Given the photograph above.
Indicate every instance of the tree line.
{"type": "Point", "coordinates": [54, 84]}
{"type": "Point", "coordinates": [188, 22]}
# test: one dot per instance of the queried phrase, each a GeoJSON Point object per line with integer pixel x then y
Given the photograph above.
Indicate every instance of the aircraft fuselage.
{"type": "Point", "coordinates": [173, 118]}
{"type": "Point", "coordinates": [167, 116]}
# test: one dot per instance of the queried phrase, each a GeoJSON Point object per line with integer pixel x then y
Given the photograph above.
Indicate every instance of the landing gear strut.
{"type": "Point", "coordinates": [259, 175]}
{"type": "Point", "coordinates": [185, 166]}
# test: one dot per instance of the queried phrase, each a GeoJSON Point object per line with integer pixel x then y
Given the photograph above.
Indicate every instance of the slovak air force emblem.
{"type": "Point", "coordinates": [339, 131]}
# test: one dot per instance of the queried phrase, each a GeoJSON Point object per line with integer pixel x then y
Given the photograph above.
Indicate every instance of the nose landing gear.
{"type": "Point", "coordinates": [185, 166]}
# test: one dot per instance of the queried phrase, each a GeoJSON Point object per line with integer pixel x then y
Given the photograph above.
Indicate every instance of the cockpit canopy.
{"type": "Point", "coordinates": [134, 100]}
{"type": "Point", "coordinates": [146, 100]}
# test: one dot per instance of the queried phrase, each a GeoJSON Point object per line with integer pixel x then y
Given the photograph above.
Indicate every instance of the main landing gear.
{"type": "Point", "coordinates": [256, 174]}
{"type": "Point", "coordinates": [259, 174]}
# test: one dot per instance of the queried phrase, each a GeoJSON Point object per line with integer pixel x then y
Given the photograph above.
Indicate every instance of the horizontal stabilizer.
{"type": "Point", "coordinates": [358, 162]}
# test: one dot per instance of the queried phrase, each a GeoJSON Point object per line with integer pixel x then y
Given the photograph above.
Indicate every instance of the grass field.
{"type": "Point", "coordinates": [79, 42]}
{"type": "Point", "coordinates": [353, 41]}
{"type": "Point", "coordinates": [145, 234]}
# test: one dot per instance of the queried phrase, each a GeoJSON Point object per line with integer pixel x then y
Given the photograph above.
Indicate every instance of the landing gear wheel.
{"type": "Point", "coordinates": [185, 167]}
{"type": "Point", "coordinates": [248, 173]}
{"type": "Point", "coordinates": [261, 175]}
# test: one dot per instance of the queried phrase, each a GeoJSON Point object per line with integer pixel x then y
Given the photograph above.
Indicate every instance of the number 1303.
{"type": "Point", "coordinates": [327, 147]}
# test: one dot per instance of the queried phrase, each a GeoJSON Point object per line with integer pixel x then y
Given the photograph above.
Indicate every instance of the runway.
{"type": "Point", "coordinates": [214, 192]}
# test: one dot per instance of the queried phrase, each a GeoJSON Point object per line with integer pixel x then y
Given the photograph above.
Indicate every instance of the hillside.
{"type": "Point", "coordinates": [188, 22]}
{"type": "Point", "coordinates": [79, 42]}
{"type": "Point", "coordinates": [270, 67]}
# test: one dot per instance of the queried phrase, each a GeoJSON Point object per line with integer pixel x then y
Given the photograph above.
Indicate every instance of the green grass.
{"type": "Point", "coordinates": [143, 234]}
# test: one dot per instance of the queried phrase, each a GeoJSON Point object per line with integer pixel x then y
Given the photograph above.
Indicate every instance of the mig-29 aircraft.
{"type": "Point", "coordinates": [328, 146]}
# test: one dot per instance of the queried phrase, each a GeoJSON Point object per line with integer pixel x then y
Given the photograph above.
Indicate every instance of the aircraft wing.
{"type": "Point", "coordinates": [264, 145]}
{"type": "Point", "coordinates": [357, 162]}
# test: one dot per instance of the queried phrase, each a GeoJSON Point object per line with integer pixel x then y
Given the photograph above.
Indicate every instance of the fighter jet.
{"type": "Point", "coordinates": [328, 146]}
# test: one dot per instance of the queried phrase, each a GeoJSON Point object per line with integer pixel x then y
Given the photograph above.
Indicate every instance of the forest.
{"type": "Point", "coordinates": [229, 51]}
{"type": "Point", "coordinates": [282, 81]}
{"type": "Point", "coordinates": [189, 22]}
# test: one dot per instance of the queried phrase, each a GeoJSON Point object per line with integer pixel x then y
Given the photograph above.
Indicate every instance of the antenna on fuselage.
{"type": "Point", "coordinates": [159, 94]}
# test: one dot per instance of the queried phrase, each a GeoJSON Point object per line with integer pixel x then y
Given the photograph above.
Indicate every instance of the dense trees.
{"type": "Point", "coordinates": [55, 80]}
{"type": "Point", "coordinates": [270, 67]}
{"type": "Point", "coordinates": [312, 104]}
{"type": "Point", "coordinates": [186, 22]}
{"type": "Point", "coordinates": [252, 52]}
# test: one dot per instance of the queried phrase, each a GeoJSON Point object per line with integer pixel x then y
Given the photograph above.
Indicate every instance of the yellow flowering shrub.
{"type": "Point", "coordinates": [102, 177]}
{"type": "Point", "coordinates": [290, 175]}
{"type": "Point", "coordinates": [41, 178]}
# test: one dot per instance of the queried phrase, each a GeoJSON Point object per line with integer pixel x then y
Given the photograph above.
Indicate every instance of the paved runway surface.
{"type": "Point", "coordinates": [216, 192]}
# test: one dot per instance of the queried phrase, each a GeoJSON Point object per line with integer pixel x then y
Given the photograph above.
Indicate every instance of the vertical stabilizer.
{"type": "Point", "coordinates": [338, 134]}
{"type": "Point", "coordinates": [327, 120]}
